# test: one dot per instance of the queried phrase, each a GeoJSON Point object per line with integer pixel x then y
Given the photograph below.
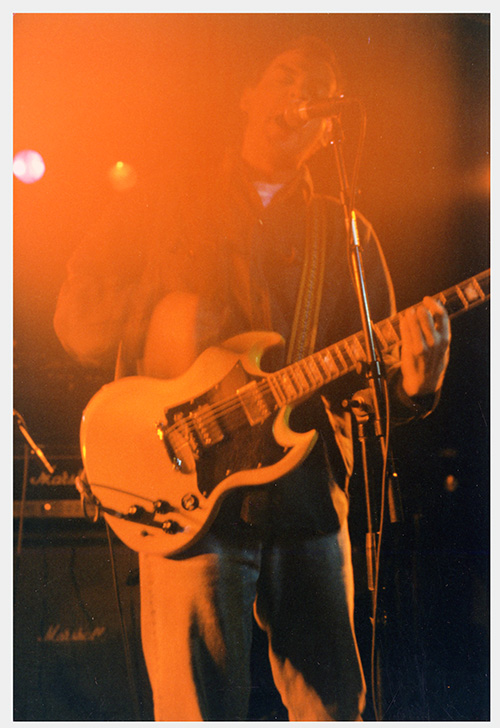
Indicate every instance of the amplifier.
{"type": "Point", "coordinates": [70, 662]}
{"type": "Point", "coordinates": [47, 495]}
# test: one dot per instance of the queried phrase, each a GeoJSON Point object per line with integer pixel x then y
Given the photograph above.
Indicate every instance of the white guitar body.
{"type": "Point", "coordinates": [160, 454]}
{"type": "Point", "coordinates": [156, 503]}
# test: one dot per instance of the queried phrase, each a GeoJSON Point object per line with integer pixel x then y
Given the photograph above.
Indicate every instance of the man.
{"type": "Point", "coordinates": [279, 552]}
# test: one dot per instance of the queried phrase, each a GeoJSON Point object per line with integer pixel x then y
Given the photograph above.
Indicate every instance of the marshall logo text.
{"type": "Point", "coordinates": [56, 633]}
{"type": "Point", "coordinates": [44, 478]}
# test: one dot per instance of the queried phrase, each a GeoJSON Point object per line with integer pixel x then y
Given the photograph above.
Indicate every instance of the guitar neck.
{"type": "Point", "coordinates": [303, 377]}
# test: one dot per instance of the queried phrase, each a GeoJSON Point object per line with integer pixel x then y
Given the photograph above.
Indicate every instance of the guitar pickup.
{"type": "Point", "coordinates": [253, 402]}
{"type": "Point", "coordinates": [206, 426]}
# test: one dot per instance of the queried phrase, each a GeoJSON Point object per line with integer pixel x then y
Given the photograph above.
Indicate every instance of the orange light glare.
{"type": "Point", "coordinates": [122, 176]}
{"type": "Point", "coordinates": [450, 483]}
{"type": "Point", "coordinates": [28, 166]}
{"type": "Point", "coordinates": [485, 178]}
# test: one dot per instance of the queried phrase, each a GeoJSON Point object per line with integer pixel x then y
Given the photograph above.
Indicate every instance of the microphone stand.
{"type": "Point", "coordinates": [29, 446]}
{"type": "Point", "coordinates": [373, 369]}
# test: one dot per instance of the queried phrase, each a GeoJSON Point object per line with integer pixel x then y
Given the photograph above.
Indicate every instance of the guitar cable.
{"type": "Point", "coordinates": [373, 567]}
{"type": "Point", "coordinates": [88, 501]}
{"type": "Point", "coordinates": [125, 639]}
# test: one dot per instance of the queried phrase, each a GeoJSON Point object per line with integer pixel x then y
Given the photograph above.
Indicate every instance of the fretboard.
{"type": "Point", "coordinates": [303, 377]}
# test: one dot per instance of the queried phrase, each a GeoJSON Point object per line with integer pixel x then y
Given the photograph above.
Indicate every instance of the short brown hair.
{"type": "Point", "coordinates": [311, 47]}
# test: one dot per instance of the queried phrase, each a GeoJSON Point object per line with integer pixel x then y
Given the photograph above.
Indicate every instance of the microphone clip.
{"type": "Point", "coordinates": [361, 405]}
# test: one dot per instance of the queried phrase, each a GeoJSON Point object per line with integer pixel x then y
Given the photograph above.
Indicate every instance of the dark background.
{"type": "Point", "coordinates": [160, 92]}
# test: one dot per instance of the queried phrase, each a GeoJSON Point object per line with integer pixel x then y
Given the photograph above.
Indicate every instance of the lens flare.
{"type": "Point", "coordinates": [122, 176]}
{"type": "Point", "coordinates": [28, 166]}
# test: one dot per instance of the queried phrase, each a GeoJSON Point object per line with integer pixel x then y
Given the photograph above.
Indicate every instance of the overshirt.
{"type": "Point", "coordinates": [245, 261]}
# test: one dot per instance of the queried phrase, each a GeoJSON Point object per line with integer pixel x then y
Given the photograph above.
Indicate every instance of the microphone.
{"type": "Point", "coordinates": [300, 112]}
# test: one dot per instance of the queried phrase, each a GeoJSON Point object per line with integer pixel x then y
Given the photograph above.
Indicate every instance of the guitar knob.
{"type": "Point", "coordinates": [162, 506]}
{"type": "Point", "coordinates": [171, 527]}
{"type": "Point", "coordinates": [135, 512]}
{"type": "Point", "coordinates": [190, 502]}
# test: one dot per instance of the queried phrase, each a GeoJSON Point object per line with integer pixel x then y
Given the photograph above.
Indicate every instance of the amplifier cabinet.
{"type": "Point", "coordinates": [69, 652]}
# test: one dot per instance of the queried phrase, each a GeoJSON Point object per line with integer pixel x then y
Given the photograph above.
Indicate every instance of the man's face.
{"type": "Point", "coordinates": [269, 141]}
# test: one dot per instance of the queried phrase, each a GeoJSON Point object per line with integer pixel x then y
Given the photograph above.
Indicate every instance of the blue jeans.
{"type": "Point", "coordinates": [196, 619]}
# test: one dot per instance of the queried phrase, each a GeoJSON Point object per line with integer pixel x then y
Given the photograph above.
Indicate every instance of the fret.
{"type": "Point", "coordinates": [468, 294]}
{"type": "Point", "coordinates": [276, 390]}
{"type": "Point", "coordinates": [350, 352]}
{"type": "Point", "coordinates": [395, 323]}
{"type": "Point", "coordinates": [454, 304]}
{"type": "Point", "coordinates": [484, 286]}
{"type": "Point", "coordinates": [289, 388]}
{"type": "Point", "coordinates": [343, 363]}
{"type": "Point", "coordinates": [329, 362]}
{"type": "Point", "coordinates": [302, 383]}
{"type": "Point", "coordinates": [313, 366]}
{"type": "Point", "coordinates": [462, 297]}
{"type": "Point", "coordinates": [358, 348]}
{"type": "Point", "coordinates": [321, 364]}
{"type": "Point", "coordinates": [390, 335]}
{"type": "Point", "coordinates": [473, 291]}
{"type": "Point", "coordinates": [312, 382]}
{"type": "Point", "coordinates": [378, 328]}
{"type": "Point", "coordinates": [442, 297]}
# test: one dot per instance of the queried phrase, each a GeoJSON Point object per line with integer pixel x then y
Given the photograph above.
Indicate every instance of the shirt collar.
{"type": "Point", "coordinates": [238, 173]}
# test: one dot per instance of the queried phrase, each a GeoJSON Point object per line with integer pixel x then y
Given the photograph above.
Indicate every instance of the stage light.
{"type": "Point", "coordinates": [28, 166]}
{"type": "Point", "coordinates": [122, 176]}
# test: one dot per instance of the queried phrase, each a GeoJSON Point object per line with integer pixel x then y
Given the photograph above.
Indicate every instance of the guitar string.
{"type": "Point", "coordinates": [234, 403]}
{"type": "Point", "coordinates": [224, 408]}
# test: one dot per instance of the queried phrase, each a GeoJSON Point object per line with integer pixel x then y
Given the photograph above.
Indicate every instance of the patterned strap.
{"type": "Point", "coordinates": [305, 323]}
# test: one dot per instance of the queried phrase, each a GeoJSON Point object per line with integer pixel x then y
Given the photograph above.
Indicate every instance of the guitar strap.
{"type": "Point", "coordinates": [306, 317]}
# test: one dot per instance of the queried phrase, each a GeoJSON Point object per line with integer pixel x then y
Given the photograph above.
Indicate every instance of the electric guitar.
{"type": "Point", "coordinates": [160, 455]}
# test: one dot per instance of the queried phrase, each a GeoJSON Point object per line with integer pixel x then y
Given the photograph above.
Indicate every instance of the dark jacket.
{"type": "Point", "coordinates": [245, 261]}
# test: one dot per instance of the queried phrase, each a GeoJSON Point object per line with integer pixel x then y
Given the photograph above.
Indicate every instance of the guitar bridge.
{"type": "Point", "coordinates": [185, 435]}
